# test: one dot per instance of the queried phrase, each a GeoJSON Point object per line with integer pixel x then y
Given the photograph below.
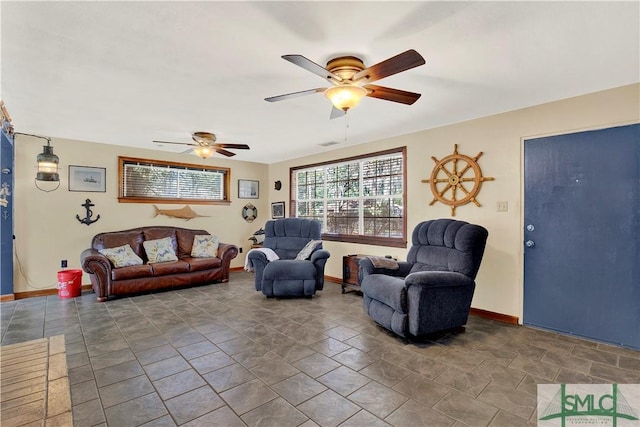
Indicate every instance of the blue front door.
{"type": "Point", "coordinates": [582, 234]}
{"type": "Point", "coordinates": [6, 213]}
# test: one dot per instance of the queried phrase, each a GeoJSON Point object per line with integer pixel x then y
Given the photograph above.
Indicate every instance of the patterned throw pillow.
{"type": "Point", "coordinates": [305, 253]}
{"type": "Point", "coordinates": [160, 250]}
{"type": "Point", "coordinates": [122, 256]}
{"type": "Point", "coordinates": [205, 246]}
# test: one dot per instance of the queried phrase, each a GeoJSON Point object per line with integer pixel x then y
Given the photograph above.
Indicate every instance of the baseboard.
{"type": "Point", "coordinates": [505, 318]}
{"type": "Point", "coordinates": [44, 292]}
{"type": "Point", "coordinates": [236, 268]}
{"type": "Point", "coordinates": [333, 279]}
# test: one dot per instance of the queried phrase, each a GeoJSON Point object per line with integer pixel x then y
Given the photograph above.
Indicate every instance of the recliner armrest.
{"type": "Point", "coordinates": [257, 256]}
{"type": "Point", "coordinates": [319, 259]}
{"type": "Point", "coordinates": [438, 279]}
{"type": "Point", "coordinates": [319, 254]}
{"type": "Point", "coordinates": [366, 268]}
{"type": "Point", "coordinates": [258, 261]}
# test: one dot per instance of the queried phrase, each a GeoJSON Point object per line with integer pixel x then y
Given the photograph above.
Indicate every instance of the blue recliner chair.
{"type": "Point", "coordinates": [288, 276]}
{"type": "Point", "coordinates": [432, 290]}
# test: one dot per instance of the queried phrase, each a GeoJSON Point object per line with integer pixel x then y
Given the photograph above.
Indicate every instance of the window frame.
{"type": "Point", "coordinates": [122, 160]}
{"type": "Point", "coordinates": [398, 242]}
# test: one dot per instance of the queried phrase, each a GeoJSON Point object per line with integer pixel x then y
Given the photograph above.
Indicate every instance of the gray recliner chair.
{"type": "Point", "coordinates": [432, 290]}
{"type": "Point", "coordinates": [288, 276]}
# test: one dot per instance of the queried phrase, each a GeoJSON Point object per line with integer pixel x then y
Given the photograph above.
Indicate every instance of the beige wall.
{"type": "Point", "coordinates": [500, 138]}
{"type": "Point", "coordinates": [47, 231]}
{"type": "Point", "coordinates": [46, 227]}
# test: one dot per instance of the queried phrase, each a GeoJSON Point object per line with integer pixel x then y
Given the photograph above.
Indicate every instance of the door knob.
{"type": "Point", "coordinates": [530, 243]}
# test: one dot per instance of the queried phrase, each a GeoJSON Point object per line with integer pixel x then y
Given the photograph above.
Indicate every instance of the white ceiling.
{"type": "Point", "coordinates": [127, 73]}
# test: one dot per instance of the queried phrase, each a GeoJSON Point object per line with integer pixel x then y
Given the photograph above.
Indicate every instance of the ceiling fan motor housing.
{"type": "Point", "coordinates": [345, 66]}
{"type": "Point", "coordinates": [204, 138]}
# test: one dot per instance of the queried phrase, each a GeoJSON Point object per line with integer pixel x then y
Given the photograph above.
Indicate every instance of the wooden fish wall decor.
{"type": "Point", "coordinates": [185, 213]}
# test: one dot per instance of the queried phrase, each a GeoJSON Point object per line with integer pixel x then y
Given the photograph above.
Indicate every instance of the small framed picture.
{"type": "Point", "coordinates": [248, 189]}
{"type": "Point", "coordinates": [277, 210]}
{"type": "Point", "coordinates": [86, 178]}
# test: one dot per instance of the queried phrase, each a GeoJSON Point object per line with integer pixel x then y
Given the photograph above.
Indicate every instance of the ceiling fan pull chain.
{"type": "Point", "coordinates": [346, 126]}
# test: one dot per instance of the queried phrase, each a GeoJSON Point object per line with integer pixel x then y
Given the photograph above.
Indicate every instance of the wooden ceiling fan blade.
{"type": "Point", "coordinates": [223, 152]}
{"type": "Point", "coordinates": [234, 146]}
{"type": "Point", "coordinates": [336, 112]}
{"type": "Point", "coordinates": [177, 143]}
{"type": "Point", "coordinates": [402, 62]}
{"type": "Point", "coordinates": [295, 94]}
{"type": "Point", "coordinates": [390, 94]}
{"type": "Point", "coordinates": [309, 65]}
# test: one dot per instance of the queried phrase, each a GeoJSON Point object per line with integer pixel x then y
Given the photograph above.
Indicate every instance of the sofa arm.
{"type": "Point", "coordinates": [99, 269]}
{"type": "Point", "coordinates": [226, 252]}
{"type": "Point", "coordinates": [366, 268]}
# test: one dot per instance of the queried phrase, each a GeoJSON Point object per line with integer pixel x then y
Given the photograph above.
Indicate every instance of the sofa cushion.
{"type": "Point", "coordinates": [167, 268]}
{"type": "Point", "coordinates": [205, 246]}
{"type": "Point", "coordinates": [121, 256]}
{"type": "Point", "coordinates": [199, 264]}
{"type": "Point", "coordinates": [160, 250]}
{"type": "Point", "coordinates": [132, 272]}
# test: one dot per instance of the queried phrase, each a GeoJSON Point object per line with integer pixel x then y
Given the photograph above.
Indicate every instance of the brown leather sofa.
{"type": "Point", "coordinates": [106, 280]}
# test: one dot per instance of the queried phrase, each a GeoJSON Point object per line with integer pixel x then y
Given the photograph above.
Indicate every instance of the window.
{"type": "Point", "coordinates": [155, 181]}
{"type": "Point", "coordinates": [360, 199]}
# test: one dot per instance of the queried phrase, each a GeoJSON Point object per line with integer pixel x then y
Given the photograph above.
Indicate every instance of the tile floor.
{"type": "Point", "coordinates": [224, 355]}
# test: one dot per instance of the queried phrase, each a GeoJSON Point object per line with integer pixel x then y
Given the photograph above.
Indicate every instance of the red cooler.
{"type": "Point", "coordinates": [69, 283]}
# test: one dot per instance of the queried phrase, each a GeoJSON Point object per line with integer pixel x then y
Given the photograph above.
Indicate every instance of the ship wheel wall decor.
{"type": "Point", "coordinates": [456, 180]}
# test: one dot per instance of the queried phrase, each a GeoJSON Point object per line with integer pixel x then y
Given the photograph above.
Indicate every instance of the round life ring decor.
{"type": "Point", "coordinates": [249, 212]}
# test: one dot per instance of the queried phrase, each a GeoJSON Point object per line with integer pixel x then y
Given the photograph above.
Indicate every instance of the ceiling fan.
{"type": "Point", "coordinates": [350, 80]}
{"type": "Point", "coordinates": [205, 145]}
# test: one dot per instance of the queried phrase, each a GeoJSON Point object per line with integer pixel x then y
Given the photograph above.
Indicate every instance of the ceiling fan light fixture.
{"type": "Point", "coordinates": [345, 97]}
{"type": "Point", "coordinates": [203, 152]}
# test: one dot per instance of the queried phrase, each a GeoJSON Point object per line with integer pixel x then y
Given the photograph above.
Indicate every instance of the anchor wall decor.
{"type": "Point", "coordinates": [87, 219]}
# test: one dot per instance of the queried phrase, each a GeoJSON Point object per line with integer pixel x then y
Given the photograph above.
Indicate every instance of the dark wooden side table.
{"type": "Point", "coordinates": [350, 272]}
